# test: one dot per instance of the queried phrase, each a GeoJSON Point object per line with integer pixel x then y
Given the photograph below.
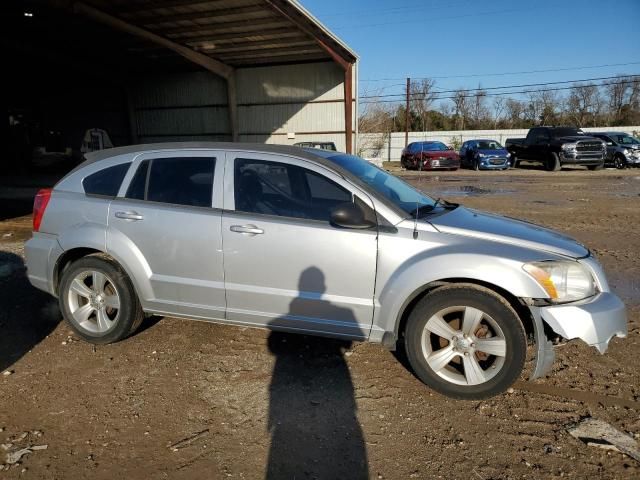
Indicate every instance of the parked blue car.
{"type": "Point", "coordinates": [484, 155]}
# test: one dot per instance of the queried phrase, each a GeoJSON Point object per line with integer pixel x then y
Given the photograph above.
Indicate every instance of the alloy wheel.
{"type": "Point", "coordinates": [93, 301]}
{"type": "Point", "coordinates": [464, 345]}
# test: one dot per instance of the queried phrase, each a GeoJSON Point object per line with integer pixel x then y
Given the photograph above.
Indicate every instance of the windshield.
{"type": "Point", "coordinates": [489, 145]}
{"type": "Point", "coordinates": [567, 132]}
{"type": "Point", "coordinates": [626, 140]}
{"type": "Point", "coordinates": [389, 186]}
{"type": "Point", "coordinates": [431, 147]}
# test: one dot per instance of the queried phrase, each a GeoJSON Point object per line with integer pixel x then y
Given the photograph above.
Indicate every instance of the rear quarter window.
{"type": "Point", "coordinates": [107, 181]}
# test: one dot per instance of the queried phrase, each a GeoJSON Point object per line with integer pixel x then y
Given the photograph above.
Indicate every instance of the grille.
{"type": "Point", "coordinates": [588, 146]}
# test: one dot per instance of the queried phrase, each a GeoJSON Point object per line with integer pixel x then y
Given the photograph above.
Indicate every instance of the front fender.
{"type": "Point", "coordinates": [441, 257]}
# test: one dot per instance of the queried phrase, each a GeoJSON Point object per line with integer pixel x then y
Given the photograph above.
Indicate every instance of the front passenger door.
{"type": "Point", "coordinates": [286, 266]}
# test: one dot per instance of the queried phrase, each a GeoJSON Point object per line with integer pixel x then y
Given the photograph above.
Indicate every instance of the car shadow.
{"type": "Point", "coordinates": [313, 421]}
{"type": "Point", "coordinates": [27, 315]}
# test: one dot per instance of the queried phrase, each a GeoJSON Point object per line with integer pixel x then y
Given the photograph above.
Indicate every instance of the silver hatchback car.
{"type": "Point", "coordinates": [314, 242]}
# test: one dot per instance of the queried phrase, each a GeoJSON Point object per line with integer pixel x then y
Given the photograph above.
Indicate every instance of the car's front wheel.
{"type": "Point", "coordinates": [465, 342]}
{"type": "Point", "coordinates": [619, 162]}
{"type": "Point", "coordinates": [98, 300]}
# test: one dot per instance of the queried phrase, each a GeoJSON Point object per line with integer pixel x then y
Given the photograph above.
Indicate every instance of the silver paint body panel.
{"type": "Point", "coordinates": [301, 275]}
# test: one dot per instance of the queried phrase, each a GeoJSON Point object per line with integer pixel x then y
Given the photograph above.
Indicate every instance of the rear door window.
{"type": "Point", "coordinates": [106, 182]}
{"type": "Point", "coordinates": [180, 181]}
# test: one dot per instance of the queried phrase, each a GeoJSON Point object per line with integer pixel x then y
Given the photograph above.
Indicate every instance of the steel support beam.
{"type": "Point", "coordinates": [345, 63]}
{"type": "Point", "coordinates": [348, 108]}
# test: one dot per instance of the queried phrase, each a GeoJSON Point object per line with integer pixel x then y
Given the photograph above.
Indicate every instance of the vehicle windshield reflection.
{"type": "Point", "coordinates": [389, 186]}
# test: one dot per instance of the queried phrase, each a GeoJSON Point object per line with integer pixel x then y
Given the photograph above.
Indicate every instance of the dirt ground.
{"type": "Point", "coordinates": [251, 404]}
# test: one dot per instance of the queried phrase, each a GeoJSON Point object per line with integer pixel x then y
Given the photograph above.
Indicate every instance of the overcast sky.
{"type": "Point", "coordinates": [484, 41]}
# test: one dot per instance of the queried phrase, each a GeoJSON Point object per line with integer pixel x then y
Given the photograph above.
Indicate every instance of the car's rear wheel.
{"type": "Point", "coordinates": [465, 342]}
{"type": "Point", "coordinates": [98, 300]}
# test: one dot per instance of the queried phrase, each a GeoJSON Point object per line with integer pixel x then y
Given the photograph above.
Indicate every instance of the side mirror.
{"type": "Point", "coordinates": [349, 215]}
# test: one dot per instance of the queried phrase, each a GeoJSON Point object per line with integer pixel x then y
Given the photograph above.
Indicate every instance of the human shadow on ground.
{"type": "Point", "coordinates": [27, 315]}
{"type": "Point", "coordinates": [313, 421]}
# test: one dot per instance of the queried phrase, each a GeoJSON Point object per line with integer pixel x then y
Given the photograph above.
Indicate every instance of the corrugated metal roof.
{"type": "Point", "coordinates": [235, 32]}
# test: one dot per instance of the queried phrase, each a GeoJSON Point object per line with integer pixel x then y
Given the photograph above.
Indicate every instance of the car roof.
{"type": "Point", "coordinates": [158, 147]}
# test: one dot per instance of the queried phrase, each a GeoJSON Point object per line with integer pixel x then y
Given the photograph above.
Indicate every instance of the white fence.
{"type": "Point", "coordinates": [389, 147]}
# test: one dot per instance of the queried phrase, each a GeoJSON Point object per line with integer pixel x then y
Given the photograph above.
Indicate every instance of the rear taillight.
{"type": "Point", "coordinates": [39, 206]}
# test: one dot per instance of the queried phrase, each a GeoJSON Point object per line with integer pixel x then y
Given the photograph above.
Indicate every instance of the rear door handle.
{"type": "Point", "coordinates": [129, 216]}
{"type": "Point", "coordinates": [246, 229]}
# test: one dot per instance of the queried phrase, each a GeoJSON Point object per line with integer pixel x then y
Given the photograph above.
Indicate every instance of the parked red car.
{"type": "Point", "coordinates": [429, 156]}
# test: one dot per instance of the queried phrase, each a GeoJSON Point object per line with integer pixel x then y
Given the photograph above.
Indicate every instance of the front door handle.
{"type": "Point", "coordinates": [129, 216]}
{"type": "Point", "coordinates": [246, 229]}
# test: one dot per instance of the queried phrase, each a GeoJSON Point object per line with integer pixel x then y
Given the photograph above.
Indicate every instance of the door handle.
{"type": "Point", "coordinates": [129, 216]}
{"type": "Point", "coordinates": [246, 229]}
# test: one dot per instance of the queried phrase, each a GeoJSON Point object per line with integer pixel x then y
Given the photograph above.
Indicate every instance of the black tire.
{"type": "Point", "coordinates": [600, 166]}
{"type": "Point", "coordinates": [553, 163]}
{"type": "Point", "coordinates": [514, 161]}
{"type": "Point", "coordinates": [476, 164]}
{"type": "Point", "coordinates": [127, 317]}
{"type": "Point", "coordinates": [619, 162]}
{"type": "Point", "coordinates": [494, 308]}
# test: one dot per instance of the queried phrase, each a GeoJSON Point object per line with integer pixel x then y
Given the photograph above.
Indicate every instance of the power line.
{"type": "Point", "coordinates": [476, 75]}
{"type": "Point", "coordinates": [497, 88]}
{"type": "Point", "coordinates": [499, 94]}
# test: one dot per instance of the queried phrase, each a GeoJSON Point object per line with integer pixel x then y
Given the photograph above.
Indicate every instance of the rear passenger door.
{"type": "Point", "coordinates": [167, 219]}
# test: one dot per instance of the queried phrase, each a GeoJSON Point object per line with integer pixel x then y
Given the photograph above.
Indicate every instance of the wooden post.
{"type": "Point", "coordinates": [406, 115]}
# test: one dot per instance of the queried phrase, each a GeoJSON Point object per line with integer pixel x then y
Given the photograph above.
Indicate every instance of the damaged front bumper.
{"type": "Point", "coordinates": [595, 320]}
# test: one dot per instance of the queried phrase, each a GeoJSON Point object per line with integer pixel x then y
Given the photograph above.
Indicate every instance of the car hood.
{"type": "Point", "coordinates": [440, 153]}
{"type": "Point", "coordinates": [494, 153]}
{"type": "Point", "coordinates": [488, 226]}
{"type": "Point", "coordinates": [577, 138]}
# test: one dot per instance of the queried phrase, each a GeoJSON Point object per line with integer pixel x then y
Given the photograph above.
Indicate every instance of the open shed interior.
{"type": "Point", "coordinates": [86, 75]}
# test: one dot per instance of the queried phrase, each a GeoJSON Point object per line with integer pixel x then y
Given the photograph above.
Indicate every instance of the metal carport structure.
{"type": "Point", "coordinates": [278, 74]}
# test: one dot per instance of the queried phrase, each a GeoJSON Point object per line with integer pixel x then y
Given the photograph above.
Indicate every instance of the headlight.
{"type": "Point", "coordinates": [480, 155]}
{"type": "Point", "coordinates": [564, 281]}
{"type": "Point", "coordinates": [569, 147]}
{"type": "Point", "coordinates": [626, 151]}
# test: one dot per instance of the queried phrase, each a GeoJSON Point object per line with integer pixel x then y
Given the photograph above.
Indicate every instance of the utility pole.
{"type": "Point", "coordinates": [406, 115]}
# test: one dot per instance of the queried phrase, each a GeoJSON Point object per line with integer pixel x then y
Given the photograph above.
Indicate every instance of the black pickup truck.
{"type": "Point", "coordinates": [558, 146]}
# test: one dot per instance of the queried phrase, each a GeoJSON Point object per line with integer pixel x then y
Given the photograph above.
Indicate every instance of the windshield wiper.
{"type": "Point", "coordinates": [430, 208]}
{"type": "Point", "coordinates": [422, 209]}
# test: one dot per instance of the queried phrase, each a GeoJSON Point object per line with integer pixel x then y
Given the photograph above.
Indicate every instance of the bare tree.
{"type": "Point", "coordinates": [618, 92]}
{"type": "Point", "coordinates": [582, 103]}
{"type": "Point", "coordinates": [479, 110]}
{"type": "Point", "coordinates": [422, 95]}
{"type": "Point", "coordinates": [499, 106]}
{"type": "Point", "coordinates": [515, 111]}
{"type": "Point", "coordinates": [375, 124]}
{"type": "Point", "coordinates": [461, 107]}
{"type": "Point", "coordinates": [547, 102]}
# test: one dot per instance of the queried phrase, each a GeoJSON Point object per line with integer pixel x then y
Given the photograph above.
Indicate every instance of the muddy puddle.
{"type": "Point", "coordinates": [468, 191]}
